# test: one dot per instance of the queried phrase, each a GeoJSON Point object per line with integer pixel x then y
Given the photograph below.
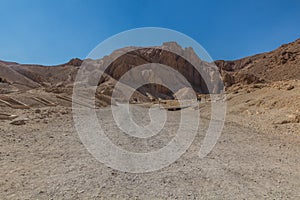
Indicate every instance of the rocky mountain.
{"type": "Point", "coordinates": [58, 78]}
{"type": "Point", "coordinates": [280, 64]}
{"type": "Point", "coordinates": [169, 54]}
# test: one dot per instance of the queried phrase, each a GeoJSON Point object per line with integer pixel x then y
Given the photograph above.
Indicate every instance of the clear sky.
{"type": "Point", "coordinates": [54, 31]}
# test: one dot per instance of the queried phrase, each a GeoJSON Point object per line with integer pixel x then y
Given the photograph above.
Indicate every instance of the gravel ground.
{"type": "Point", "coordinates": [45, 159]}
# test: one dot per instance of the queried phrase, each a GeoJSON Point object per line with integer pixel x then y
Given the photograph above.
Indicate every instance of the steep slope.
{"type": "Point", "coordinates": [280, 64]}
{"type": "Point", "coordinates": [8, 75]}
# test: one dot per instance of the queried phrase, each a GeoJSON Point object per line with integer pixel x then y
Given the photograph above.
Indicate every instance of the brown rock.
{"type": "Point", "coordinates": [37, 111]}
{"type": "Point", "coordinates": [290, 87]}
{"type": "Point", "coordinates": [228, 79]}
{"type": "Point", "coordinates": [20, 121]}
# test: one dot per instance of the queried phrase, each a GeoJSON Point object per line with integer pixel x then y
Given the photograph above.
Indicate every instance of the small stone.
{"type": "Point", "coordinates": [290, 87]}
{"type": "Point", "coordinates": [64, 112]}
{"type": "Point", "coordinates": [19, 121]}
{"type": "Point", "coordinates": [294, 118]}
{"type": "Point", "coordinates": [37, 111]}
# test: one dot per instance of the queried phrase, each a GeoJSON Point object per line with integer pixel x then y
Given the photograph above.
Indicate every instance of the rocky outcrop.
{"type": "Point", "coordinates": [74, 62]}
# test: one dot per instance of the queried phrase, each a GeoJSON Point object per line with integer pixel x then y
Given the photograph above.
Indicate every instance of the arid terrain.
{"type": "Point", "coordinates": [256, 157]}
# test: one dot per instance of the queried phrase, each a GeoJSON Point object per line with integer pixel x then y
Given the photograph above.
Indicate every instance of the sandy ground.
{"type": "Point", "coordinates": [45, 159]}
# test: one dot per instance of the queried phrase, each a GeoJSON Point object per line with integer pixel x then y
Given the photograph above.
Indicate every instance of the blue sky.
{"type": "Point", "coordinates": [54, 31]}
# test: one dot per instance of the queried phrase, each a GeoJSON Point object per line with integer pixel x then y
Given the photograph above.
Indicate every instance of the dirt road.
{"type": "Point", "coordinates": [45, 159]}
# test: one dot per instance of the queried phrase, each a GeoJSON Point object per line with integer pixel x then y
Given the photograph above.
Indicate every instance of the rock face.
{"type": "Point", "coordinates": [171, 55]}
{"type": "Point", "coordinates": [169, 66]}
{"type": "Point", "coordinates": [280, 64]}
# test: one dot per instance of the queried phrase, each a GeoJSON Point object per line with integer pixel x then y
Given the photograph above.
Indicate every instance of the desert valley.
{"type": "Point", "coordinates": [256, 157]}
